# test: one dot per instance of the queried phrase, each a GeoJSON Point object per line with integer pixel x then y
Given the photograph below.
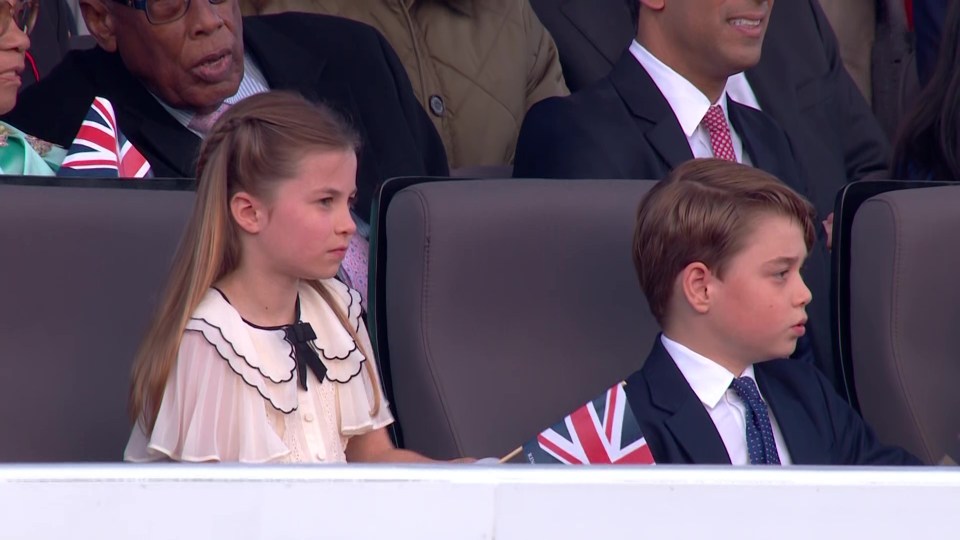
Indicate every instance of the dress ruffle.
{"type": "Point", "coordinates": [215, 404]}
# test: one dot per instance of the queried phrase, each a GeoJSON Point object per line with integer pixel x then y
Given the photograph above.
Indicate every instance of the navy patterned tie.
{"type": "Point", "coordinates": [760, 443]}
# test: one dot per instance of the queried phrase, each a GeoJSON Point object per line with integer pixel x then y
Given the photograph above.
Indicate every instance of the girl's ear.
{"type": "Point", "coordinates": [248, 212]}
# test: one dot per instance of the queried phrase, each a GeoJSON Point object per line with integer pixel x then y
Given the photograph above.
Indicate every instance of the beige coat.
{"type": "Point", "coordinates": [854, 22]}
{"type": "Point", "coordinates": [476, 65]}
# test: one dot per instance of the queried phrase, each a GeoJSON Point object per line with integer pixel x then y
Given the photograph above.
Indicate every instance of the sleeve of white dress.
{"type": "Point", "coordinates": [208, 413]}
{"type": "Point", "coordinates": [358, 397]}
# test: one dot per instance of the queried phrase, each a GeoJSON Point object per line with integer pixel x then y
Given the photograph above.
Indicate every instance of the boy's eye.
{"type": "Point", "coordinates": [326, 201]}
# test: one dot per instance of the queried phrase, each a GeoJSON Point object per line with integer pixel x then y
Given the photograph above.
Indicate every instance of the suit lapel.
{"type": "Point", "coordinates": [798, 432]}
{"type": "Point", "coordinates": [170, 148]}
{"type": "Point", "coordinates": [753, 134]}
{"type": "Point", "coordinates": [596, 26]}
{"type": "Point", "coordinates": [687, 419]}
{"type": "Point", "coordinates": [759, 134]}
{"type": "Point", "coordinates": [647, 104]}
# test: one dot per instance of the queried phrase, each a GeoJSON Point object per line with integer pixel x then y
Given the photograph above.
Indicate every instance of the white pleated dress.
{"type": "Point", "coordinates": [234, 394]}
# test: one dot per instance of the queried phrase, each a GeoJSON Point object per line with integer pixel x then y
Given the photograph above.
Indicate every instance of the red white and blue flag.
{"type": "Point", "coordinates": [603, 431]}
{"type": "Point", "coordinates": [100, 148]}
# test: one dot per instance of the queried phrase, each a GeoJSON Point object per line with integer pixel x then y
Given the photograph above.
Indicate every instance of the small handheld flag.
{"type": "Point", "coordinates": [101, 150]}
{"type": "Point", "coordinates": [603, 431]}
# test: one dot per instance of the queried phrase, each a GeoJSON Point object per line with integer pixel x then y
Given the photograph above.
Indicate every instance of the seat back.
{"type": "Point", "coordinates": [848, 202]}
{"type": "Point", "coordinates": [905, 315]}
{"type": "Point", "coordinates": [81, 272]}
{"type": "Point", "coordinates": [509, 303]}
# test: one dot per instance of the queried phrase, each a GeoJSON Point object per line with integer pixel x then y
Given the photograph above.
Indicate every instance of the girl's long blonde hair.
{"type": "Point", "coordinates": [255, 145]}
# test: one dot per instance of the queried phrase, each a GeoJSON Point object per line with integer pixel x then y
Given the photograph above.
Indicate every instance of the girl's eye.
{"type": "Point", "coordinates": [326, 201]}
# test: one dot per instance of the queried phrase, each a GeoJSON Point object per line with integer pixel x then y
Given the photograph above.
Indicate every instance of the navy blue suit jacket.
{"type": "Point", "coordinates": [818, 426]}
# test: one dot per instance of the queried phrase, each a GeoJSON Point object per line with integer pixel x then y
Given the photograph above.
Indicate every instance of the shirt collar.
{"type": "Point", "coordinates": [708, 379]}
{"type": "Point", "coordinates": [253, 82]}
{"type": "Point", "coordinates": [689, 104]}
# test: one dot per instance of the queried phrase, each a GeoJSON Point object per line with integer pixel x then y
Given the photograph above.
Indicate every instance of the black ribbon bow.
{"type": "Point", "coordinates": [300, 335]}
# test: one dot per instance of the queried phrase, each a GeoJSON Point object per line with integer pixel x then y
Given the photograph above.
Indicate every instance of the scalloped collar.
{"type": "Point", "coordinates": [274, 377]}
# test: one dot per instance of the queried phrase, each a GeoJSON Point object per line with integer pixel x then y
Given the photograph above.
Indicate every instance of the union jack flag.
{"type": "Point", "coordinates": [603, 431]}
{"type": "Point", "coordinates": [100, 148]}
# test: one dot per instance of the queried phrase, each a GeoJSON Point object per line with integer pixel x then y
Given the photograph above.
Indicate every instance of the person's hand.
{"type": "Point", "coordinates": [828, 227]}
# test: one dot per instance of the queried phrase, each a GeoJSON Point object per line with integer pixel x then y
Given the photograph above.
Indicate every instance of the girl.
{"type": "Point", "coordinates": [256, 353]}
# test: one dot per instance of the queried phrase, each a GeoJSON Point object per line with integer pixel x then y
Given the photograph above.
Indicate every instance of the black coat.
{"type": "Point", "coordinates": [344, 64]}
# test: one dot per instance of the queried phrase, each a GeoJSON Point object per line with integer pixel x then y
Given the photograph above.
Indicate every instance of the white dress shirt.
{"type": "Point", "coordinates": [711, 383]}
{"type": "Point", "coordinates": [690, 105]}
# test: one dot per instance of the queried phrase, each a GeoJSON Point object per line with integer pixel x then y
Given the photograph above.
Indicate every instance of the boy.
{"type": "Point", "coordinates": [718, 249]}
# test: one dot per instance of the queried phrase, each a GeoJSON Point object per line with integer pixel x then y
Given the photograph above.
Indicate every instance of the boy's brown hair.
{"type": "Point", "coordinates": [703, 211]}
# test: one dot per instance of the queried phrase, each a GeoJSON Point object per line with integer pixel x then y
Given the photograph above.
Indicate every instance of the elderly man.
{"type": "Point", "coordinates": [170, 67]}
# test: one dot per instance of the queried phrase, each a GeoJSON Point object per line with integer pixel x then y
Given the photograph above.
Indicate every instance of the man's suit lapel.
{"type": "Point", "coordinates": [759, 133]}
{"type": "Point", "coordinates": [653, 112]}
{"type": "Point", "coordinates": [687, 419]}
{"type": "Point", "coordinates": [753, 134]}
{"type": "Point", "coordinates": [798, 432]}
{"type": "Point", "coordinates": [170, 148]}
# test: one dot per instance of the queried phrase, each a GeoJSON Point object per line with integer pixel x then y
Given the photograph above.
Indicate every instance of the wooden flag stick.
{"type": "Point", "coordinates": [511, 455]}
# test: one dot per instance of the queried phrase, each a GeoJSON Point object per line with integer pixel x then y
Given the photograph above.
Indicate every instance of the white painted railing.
{"type": "Point", "coordinates": [117, 501]}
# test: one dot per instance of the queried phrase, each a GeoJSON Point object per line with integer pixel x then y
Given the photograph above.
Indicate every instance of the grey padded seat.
{"type": "Point", "coordinates": [80, 274]}
{"type": "Point", "coordinates": [509, 303]}
{"type": "Point", "coordinates": [905, 317]}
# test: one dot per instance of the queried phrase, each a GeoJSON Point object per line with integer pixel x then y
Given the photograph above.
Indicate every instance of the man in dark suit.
{"type": "Point", "coordinates": [650, 114]}
{"type": "Point", "coordinates": [718, 248]}
{"type": "Point", "coordinates": [169, 67]}
{"type": "Point", "coordinates": [800, 81]}
{"type": "Point", "coordinates": [647, 115]}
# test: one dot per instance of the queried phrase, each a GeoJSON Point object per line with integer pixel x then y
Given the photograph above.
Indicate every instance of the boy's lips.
{"type": "Point", "coordinates": [800, 328]}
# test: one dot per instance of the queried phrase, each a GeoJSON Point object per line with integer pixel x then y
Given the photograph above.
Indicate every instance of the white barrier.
{"type": "Point", "coordinates": [167, 501]}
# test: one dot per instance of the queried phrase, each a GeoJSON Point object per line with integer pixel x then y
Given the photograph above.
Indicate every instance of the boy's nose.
{"type": "Point", "coordinates": [804, 296]}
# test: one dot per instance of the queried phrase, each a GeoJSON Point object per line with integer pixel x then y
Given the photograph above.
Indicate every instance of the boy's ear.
{"type": "Point", "coordinates": [695, 284]}
{"type": "Point", "coordinates": [247, 211]}
{"type": "Point", "coordinates": [100, 22]}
